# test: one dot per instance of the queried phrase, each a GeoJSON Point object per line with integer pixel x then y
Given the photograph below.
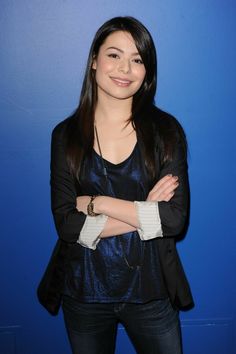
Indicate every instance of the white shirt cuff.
{"type": "Point", "coordinates": [149, 220]}
{"type": "Point", "coordinates": [93, 226]}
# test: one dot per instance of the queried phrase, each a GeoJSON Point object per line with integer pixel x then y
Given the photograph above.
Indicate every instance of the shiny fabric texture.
{"type": "Point", "coordinates": [122, 268]}
{"type": "Point", "coordinates": [174, 214]}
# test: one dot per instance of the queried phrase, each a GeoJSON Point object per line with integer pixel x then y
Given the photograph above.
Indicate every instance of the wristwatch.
{"type": "Point", "coordinates": [91, 206]}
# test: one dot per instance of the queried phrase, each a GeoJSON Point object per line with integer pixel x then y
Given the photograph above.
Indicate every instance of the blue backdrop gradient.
{"type": "Point", "coordinates": [44, 47]}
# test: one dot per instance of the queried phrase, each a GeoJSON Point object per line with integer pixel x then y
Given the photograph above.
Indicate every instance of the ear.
{"type": "Point", "coordinates": [94, 64]}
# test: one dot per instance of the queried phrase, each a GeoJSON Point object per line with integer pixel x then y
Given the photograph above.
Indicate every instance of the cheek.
{"type": "Point", "coordinates": [102, 71]}
{"type": "Point", "coordinates": [141, 74]}
{"type": "Point", "coordinates": [104, 66]}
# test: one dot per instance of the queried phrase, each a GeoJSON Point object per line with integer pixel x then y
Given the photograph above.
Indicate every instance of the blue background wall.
{"type": "Point", "coordinates": [44, 45]}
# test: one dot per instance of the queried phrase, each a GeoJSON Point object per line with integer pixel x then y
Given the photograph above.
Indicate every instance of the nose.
{"type": "Point", "coordinates": [124, 66]}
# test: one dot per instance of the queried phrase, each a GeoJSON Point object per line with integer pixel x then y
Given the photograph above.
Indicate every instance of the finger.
{"type": "Point", "coordinates": [168, 186]}
{"type": "Point", "coordinates": [171, 188]}
{"type": "Point", "coordinates": [164, 193]}
{"type": "Point", "coordinates": [169, 197]}
{"type": "Point", "coordinates": [165, 182]}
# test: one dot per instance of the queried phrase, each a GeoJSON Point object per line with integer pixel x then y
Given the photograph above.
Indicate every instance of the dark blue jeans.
{"type": "Point", "coordinates": [152, 327]}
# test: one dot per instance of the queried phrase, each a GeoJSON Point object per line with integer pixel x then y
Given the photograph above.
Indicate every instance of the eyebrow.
{"type": "Point", "coordinates": [121, 51]}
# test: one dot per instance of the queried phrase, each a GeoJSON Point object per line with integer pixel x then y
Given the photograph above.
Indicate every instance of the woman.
{"type": "Point", "coordinates": [119, 190]}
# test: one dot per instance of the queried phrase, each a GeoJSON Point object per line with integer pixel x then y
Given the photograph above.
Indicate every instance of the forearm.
{"type": "Point", "coordinates": [117, 216]}
{"type": "Point", "coordinates": [141, 216]}
{"type": "Point", "coordinates": [114, 227]}
{"type": "Point", "coordinates": [121, 210]}
{"type": "Point", "coordinates": [122, 216]}
{"type": "Point", "coordinates": [107, 223]}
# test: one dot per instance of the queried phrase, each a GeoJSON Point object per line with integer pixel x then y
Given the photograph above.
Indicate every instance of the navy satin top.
{"type": "Point", "coordinates": [122, 268]}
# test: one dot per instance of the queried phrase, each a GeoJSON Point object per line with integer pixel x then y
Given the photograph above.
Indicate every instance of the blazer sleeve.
{"type": "Point", "coordinates": [174, 214]}
{"type": "Point", "coordinates": [67, 219]}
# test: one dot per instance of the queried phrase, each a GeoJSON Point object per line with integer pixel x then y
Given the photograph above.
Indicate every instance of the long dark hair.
{"type": "Point", "coordinates": [80, 130]}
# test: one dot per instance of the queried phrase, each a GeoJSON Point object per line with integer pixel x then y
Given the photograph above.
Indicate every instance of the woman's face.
{"type": "Point", "coordinates": [119, 68]}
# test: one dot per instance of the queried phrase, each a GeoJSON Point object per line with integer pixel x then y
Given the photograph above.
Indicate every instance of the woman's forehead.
{"type": "Point", "coordinates": [120, 40]}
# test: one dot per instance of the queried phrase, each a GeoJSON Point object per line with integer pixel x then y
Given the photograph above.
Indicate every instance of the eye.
{"type": "Point", "coordinates": [113, 55]}
{"type": "Point", "coordinates": [138, 61]}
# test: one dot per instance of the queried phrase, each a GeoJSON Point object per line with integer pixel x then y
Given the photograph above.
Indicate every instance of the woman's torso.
{"type": "Point", "coordinates": [122, 268]}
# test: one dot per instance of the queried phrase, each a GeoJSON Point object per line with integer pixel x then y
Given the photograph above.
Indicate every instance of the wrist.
{"type": "Point", "coordinates": [91, 207]}
{"type": "Point", "coordinates": [99, 204]}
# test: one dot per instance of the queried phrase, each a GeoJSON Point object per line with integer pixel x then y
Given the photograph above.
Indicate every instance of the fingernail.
{"type": "Point", "coordinates": [169, 175]}
{"type": "Point", "coordinates": [176, 178]}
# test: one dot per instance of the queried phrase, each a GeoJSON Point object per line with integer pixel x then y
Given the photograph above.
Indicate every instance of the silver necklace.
{"type": "Point", "coordinates": [132, 267]}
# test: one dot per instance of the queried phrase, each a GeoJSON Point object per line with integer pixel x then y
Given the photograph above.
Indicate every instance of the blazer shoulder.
{"type": "Point", "coordinates": [61, 127]}
{"type": "Point", "coordinates": [165, 121]}
{"type": "Point", "coordinates": [170, 137]}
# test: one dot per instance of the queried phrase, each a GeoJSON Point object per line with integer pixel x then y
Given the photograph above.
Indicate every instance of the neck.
{"type": "Point", "coordinates": [113, 110]}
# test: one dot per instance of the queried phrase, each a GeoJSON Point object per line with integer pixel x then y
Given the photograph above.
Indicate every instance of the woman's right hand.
{"type": "Point", "coordinates": [164, 189]}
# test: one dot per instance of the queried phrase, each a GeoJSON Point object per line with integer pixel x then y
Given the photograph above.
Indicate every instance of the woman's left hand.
{"type": "Point", "coordinates": [82, 203]}
{"type": "Point", "coordinates": [164, 189]}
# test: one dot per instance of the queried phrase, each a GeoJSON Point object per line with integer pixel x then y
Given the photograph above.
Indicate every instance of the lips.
{"type": "Point", "coordinates": [121, 82]}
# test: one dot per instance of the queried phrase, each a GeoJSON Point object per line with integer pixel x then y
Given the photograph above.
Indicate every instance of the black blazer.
{"type": "Point", "coordinates": [174, 214]}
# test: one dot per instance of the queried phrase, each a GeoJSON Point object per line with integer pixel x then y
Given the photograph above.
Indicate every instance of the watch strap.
{"type": "Point", "coordinates": [90, 207]}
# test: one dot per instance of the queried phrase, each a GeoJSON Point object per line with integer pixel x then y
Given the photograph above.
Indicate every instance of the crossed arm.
{"type": "Point", "coordinates": [122, 214]}
{"type": "Point", "coordinates": [69, 210]}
